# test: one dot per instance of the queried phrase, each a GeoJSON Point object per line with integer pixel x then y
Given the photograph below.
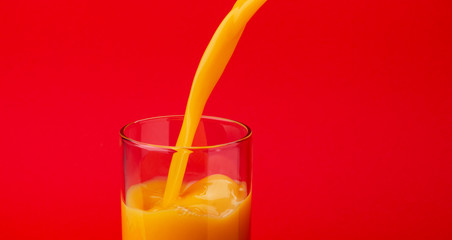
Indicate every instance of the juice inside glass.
{"type": "Point", "coordinates": [215, 197]}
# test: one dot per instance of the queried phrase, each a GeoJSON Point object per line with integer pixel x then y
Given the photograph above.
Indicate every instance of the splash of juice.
{"type": "Point", "coordinates": [212, 65]}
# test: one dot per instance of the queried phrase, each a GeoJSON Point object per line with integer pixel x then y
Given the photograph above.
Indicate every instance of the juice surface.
{"type": "Point", "coordinates": [215, 208]}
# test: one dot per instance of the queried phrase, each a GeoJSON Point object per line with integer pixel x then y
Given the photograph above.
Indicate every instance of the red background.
{"type": "Point", "coordinates": [350, 104]}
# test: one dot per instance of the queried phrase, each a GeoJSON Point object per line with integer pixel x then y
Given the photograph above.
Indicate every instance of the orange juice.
{"type": "Point", "coordinates": [210, 68]}
{"type": "Point", "coordinates": [216, 207]}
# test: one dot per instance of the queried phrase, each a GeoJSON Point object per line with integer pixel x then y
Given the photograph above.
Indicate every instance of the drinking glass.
{"type": "Point", "coordinates": [221, 147]}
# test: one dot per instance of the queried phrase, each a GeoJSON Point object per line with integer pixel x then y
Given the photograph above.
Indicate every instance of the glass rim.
{"type": "Point", "coordinates": [247, 135]}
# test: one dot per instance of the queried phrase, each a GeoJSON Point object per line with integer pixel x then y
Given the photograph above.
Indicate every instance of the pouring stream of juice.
{"type": "Point", "coordinates": [210, 68]}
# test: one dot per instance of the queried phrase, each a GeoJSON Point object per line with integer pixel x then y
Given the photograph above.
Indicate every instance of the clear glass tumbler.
{"type": "Point", "coordinates": [215, 198]}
